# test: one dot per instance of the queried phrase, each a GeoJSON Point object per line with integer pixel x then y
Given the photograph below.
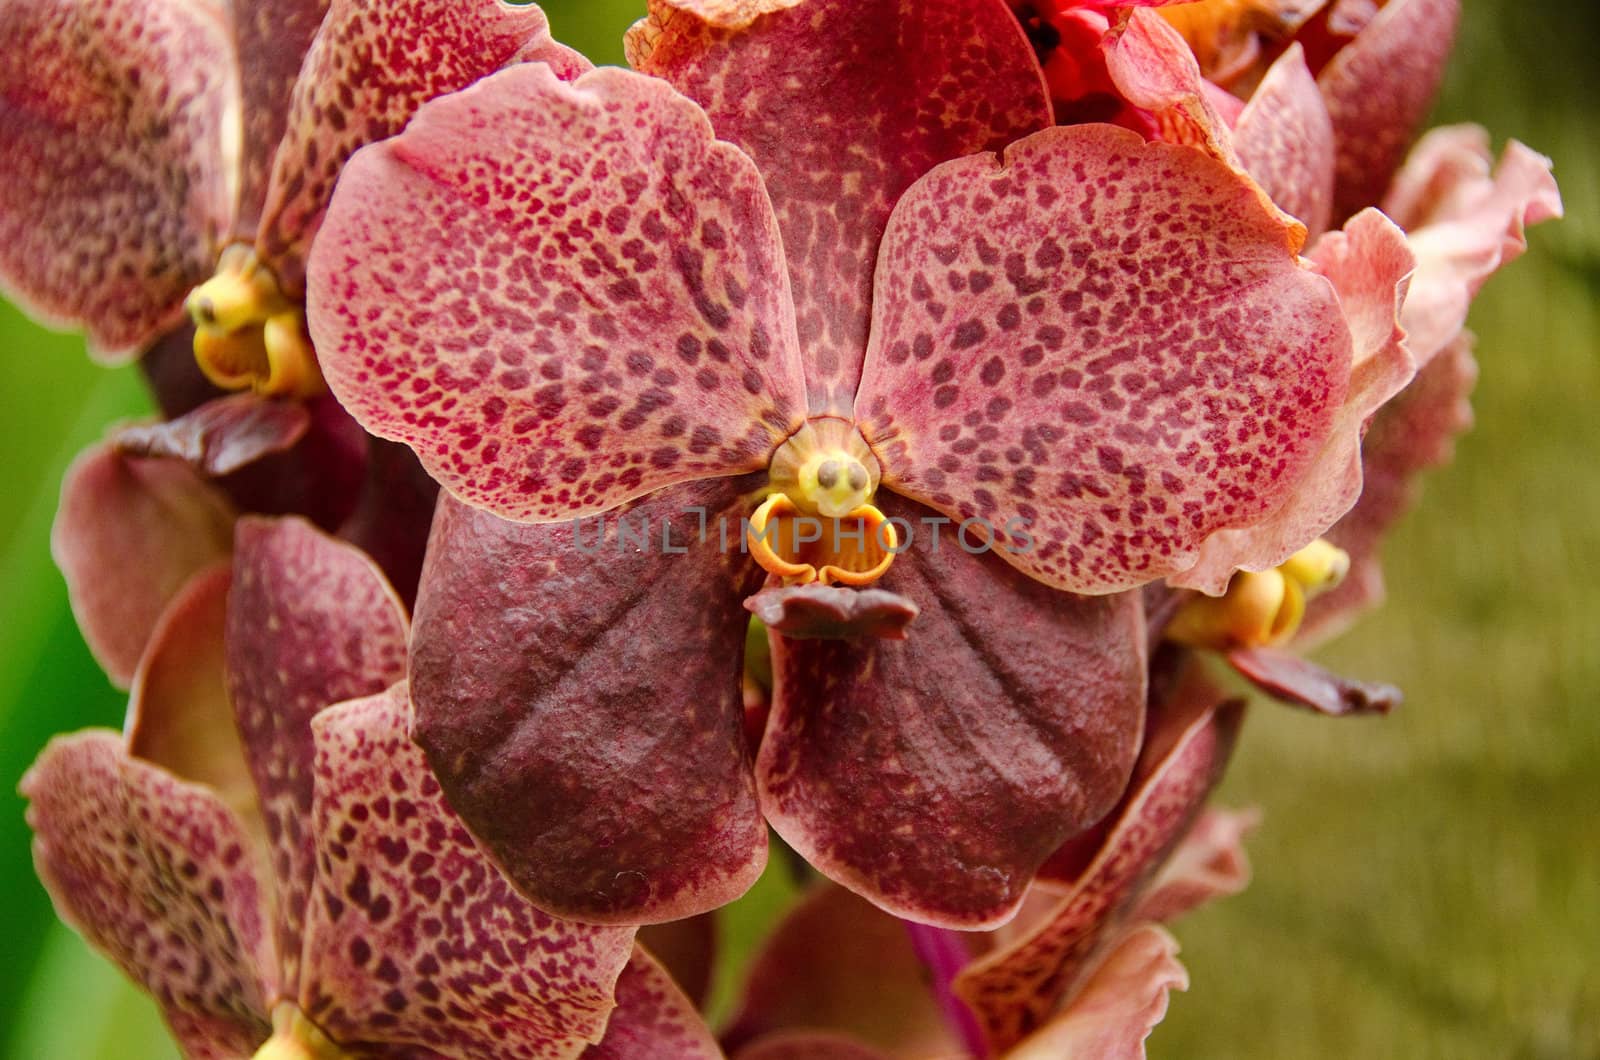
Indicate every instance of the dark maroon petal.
{"type": "Point", "coordinates": [843, 104]}
{"type": "Point", "coordinates": [1132, 358]}
{"type": "Point", "coordinates": [1379, 88]}
{"type": "Point", "coordinates": [310, 622]}
{"type": "Point", "coordinates": [220, 436]}
{"type": "Point", "coordinates": [653, 1019]}
{"type": "Point", "coordinates": [159, 876]}
{"type": "Point", "coordinates": [687, 949]}
{"type": "Point", "coordinates": [374, 63]}
{"type": "Point", "coordinates": [412, 935]}
{"type": "Point", "coordinates": [1302, 683]}
{"type": "Point", "coordinates": [1284, 139]}
{"type": "Point", "coordinates": [112, 114]}
{"type": "Point", "coordinates": [319, 477]}
{"type": "Point", "coordinates": [934, 775]}
{"type": "Point", "coordinates": [1414, 432]}
{"type": "Point", "coordinates": [606, 316]}
{"type": "Point", "coordinates": [393, 515]}
{"type": "Point", "coordinates": [579, 698]}
{"type": "Point", "coordinates": [1015, 989]}
{"type": "Point", "coordinates": [835, 961]}
{"type": "Point", "coordinates": [832, 612]}
{"type": "Point", "coordinates": [127, 536]}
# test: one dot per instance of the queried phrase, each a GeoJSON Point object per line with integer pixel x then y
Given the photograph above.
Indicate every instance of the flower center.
{"type": "Point", "coordinates": [1260, 608]}
{"type": "Point", "coordinates": [248, 333]}
{"type": "Point", "coordinates": [818, 523]}
{"type": "Point", "coordinates": [296, 1038]}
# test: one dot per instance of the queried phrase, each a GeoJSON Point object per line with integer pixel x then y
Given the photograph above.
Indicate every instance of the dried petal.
{"type": "Point", "coordinates": [1284, 139]}
{"type": "Point", "coordinates": [159, 876]}
{"type": "Point", "coordinates": [311, 622]}
{"type": "Point", "coordinates": [112, 122]}
{"type": "Point", "coordinates": [345, 100]}
{"type": "Point", "coordinates": [1302, 683]}
{"type": "Point", "coordinates": [843, 104]}
{"type": "Point", "coordinates": [933, 776]}
{"type": "Point", "coordinates": [578, 693]}
{"type": "Point", "coordinates": [830, 612]}
{"type": "Point", "coordinates": [607, 315]}
{"type": "Point", "coordinates": [113, 508]}
{"type": "Point", "coordinates": [653, 1019]}
{"type": "Point", "coordinates": [412, 935]}
{"type": "Point", "coordinates": [220, 436]}
{"type": "Point", "coordinates": [1134, 339]}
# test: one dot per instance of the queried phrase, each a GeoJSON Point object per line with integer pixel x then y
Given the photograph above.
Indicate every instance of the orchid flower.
{"type": "Point", "coordinates": [1101, 356]}
{"type": "Point", "coordinates": [284, 877]}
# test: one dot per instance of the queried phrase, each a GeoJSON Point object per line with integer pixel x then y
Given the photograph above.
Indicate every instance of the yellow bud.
{"type": "Point", "coordinates": [1319, 566]}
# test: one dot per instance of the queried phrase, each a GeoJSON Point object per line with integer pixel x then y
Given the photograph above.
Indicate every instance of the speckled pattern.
{"type": "Point", "coordinates": [843, 104]}
{"type": "Point", "coordinates": [1103, 342]}
{"type": "Point", "coordinates": [1284, 139]}
{"type": "Point", "coordinates": [159, 876]}
{"type": "Point", "coordinates": [602, 308]}
{"type": "Point", "coordinates": [373, 64]}
{"type": "Point", "coordinates": [113, 507]}
{"type": "Point", "coordinates": [579, 699]}
{"type": "Point", "coordinates": [311, 622]}
{"type": "Point", "coordinates": [1378, 89]}
{"type": "Point", "coordinates": [934, 776]}
{"type": "Point", "coordinates": [1015, 989]}
{"type": "Point", "coordinates": [412, 936]}
{"type": "Point", "coordinates": [111, 117]}
{"type": "Point", "coordinates": [653, 1019]}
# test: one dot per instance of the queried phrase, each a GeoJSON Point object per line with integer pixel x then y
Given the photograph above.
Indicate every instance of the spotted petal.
{"type": "Point", "coordinates": [159, 876]}
{"type": "Point", "coordinates": [653, 1018]}
{"type": "Point", "coordinates": [1103, 348]}
{"type": "Point", "coordinates": [127, 535]}
{"type": "Point", "coordinates": [934, 775]}
{"type": "Point", "coordinates": [112, 118]}
{"type": "Point", "coordinates": [374, 63]}
{"type": "Point", "coordinates": [843, 104]}
{"type": "Point", "coordinates": [412, 935]}
{"type": "Point", "coordinates": [1284, 139]}
{"type": "Point", "coordinates": [1379, 88]}
{"type": "Point", "coordinates": [578, 694]}
{"type": "Point", "coordinates": [310, 622]}
{"type": "Point", "coordinates": [561, 296]}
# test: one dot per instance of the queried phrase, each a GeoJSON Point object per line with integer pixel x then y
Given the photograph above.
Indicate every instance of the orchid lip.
{"type": "Point", "coordinates": [1261, 608]}
{"type": "Point", "coordinates": [248, 334]}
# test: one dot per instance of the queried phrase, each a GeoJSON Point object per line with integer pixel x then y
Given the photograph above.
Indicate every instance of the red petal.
{"type": "Point", "coordinates": [127, 536]}
{"type": "Point", "coordinates": [159, 876]}
{"type": "Point", "coordinates": [310, 622]}
{"type": "Point", "coordinates": [606, 317]}
{"type": "Point", "coordinates": [1379, 88]}
{"type": "Point", "coordinates": [372, 66]}
{"type": "Point", "coordinates": [653, 1019]}
{"type": "Point", "coordinates": [580, 702]}
{"type": "Point", "coordinates": [1370, 267]}
{"type": "Point", "coordinates": [1130, 358]}
{"type": "Point", "coordinates": [933, 775]}
{"type": "Point", "coordinates": [220, 436]}
{"type": "Point", "coordinates": [111, 152]}
{"type": "Point", "coordinates": [1464, 224]}
{"type": "Point", "coordinates": [843, 104]}
{"type": "Point", "coordinates": [1285, 141]}
{"type": "Point", "coordinates": [1302, 683]}
{"type": "Point", "coordinates": [1015, 989]}
{"type": "Point", "coordinates": [413, 936]}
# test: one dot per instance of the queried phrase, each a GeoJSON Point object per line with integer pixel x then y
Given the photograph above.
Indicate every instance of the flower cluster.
{"type": "Point", "coordinates": [574, 531]}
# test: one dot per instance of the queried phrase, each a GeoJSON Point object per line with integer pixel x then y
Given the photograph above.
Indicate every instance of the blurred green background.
{"type": "Point", "coordinates": [1426, 885]}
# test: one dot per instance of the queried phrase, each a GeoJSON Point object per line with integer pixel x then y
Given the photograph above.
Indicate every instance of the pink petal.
{"type": "Point", "coordinates": [1378, 89]}
{"type": "Point", "coordinates": [579, 698]}
{"type": "Point", "coordinates": [271, 38]}
{"type": "Point", "coordinates": [1284, 139]}
{"type": "Point", "coordinates": [112, 115]}
{"type": "Point", "coordinates": [1015, 989]}
{"type": "Point", "coordinates": [127, 536]}
{"type": "Point", "coordinates": [837, 962]}
{"type": "Point", "coordinates": [372, 65]}
{"type": "Point", "coordinates": [1465, 223]}
{"type": "Point", "coordinates": [310, 622]}
{"type": "Point", "coordinates": [1154, 69]}
{"type": "Point", "coordinates": [653, 1019]}
{"type": "Point", "coordinates": [1210, 863]}
{"type": "Point", "coordinates": [1414, 432]}
{"type": "Point", "coordinates": [1118, 1007]}
{"type": "Point", "coordinates": [220, 436]}
{"type": "Point", "coordinates": [1130, 358]}
{"type": "Point", "coordinates": [159, 876]}
{"type": "Point", "coordinates": [1370, 266]}
{"type": "Point", "coordinates": [832, 612]}
{"type": "Point", "coordinates": [553, 344]}
{"type": "Point", "coordinates": [843, 104]}
{"type": "Point", "coordinates": [412, 935]}
{"type": "Point", "coordinates": [1006, 723]}
{"type": "Point", "coordinates": [1302, 683]}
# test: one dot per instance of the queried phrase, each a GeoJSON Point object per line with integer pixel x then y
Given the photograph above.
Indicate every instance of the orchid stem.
{"type": "Point", "coordinates": [944, 953]}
